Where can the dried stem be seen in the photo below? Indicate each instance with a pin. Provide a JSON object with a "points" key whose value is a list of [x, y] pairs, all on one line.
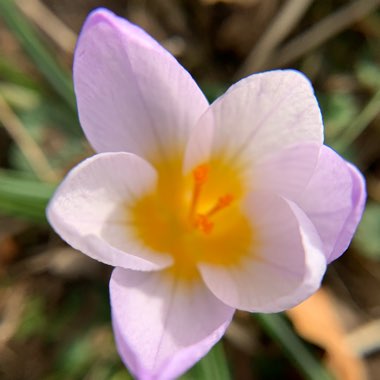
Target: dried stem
{"points": [[25, 142], [359, 123], [324, 30], [287, 17], [47, 21]]}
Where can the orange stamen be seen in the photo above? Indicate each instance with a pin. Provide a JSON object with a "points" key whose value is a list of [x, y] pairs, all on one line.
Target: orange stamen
{"points": [[203, 223], [221, 203], [200, 175]]}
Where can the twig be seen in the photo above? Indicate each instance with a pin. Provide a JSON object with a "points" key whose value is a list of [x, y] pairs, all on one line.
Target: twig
{"points": [[287, 17], [25, 142], [366, 338], [359, 124], [47, 21], [324, 30]]}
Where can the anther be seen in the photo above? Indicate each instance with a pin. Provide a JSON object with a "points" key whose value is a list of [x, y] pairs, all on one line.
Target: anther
{"points": [[221, 203], [200, 175], [203, 223]]}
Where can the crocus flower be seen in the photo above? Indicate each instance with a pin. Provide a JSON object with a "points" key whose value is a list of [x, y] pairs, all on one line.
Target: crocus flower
{"points": [[202, 209]]}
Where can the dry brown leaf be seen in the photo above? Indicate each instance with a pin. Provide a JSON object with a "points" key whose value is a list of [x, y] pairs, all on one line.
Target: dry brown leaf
{"points": [[9, 248], [317, 321], [242, 336], [12, 302], [64, 262], [366, 338]]}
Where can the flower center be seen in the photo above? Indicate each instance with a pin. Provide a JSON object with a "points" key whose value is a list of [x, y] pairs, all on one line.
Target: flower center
{"points": [[195, 218], [202, 221]]}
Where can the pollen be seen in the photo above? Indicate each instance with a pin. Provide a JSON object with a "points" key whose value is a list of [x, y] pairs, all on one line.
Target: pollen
{"points": [[203, 223]]}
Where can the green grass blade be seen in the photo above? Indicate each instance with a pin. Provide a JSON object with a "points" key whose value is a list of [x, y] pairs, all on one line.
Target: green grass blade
{"points": [[212, 366], [280, 331], [23, 30], [23, 197]]}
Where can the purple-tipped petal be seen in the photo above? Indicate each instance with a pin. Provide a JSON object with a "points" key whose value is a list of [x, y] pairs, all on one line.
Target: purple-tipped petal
{"points": [[164, 325], [263, 114], [132, 94], [286, 263], [90, 210], [334, 201], [359, 196]]}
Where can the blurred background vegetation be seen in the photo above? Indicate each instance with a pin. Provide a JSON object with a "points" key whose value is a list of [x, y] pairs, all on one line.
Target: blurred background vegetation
{"points": [[54, 307]]}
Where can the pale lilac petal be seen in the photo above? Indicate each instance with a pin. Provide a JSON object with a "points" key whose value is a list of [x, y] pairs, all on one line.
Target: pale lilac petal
{"points": [[359, 196], [90, 210], [132, 94], [284, 267], [198, 148], [334, 201], [163, 325], [261, 115], [286, 172]]}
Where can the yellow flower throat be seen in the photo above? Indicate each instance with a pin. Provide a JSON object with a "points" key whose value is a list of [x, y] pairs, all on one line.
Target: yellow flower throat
{"points": [[195, 218], [203, 221]]}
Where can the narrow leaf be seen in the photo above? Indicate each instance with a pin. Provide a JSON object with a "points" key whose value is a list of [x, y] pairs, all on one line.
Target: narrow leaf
{"points": [[24, 197], [212, 366], [280, 331], [56, 76]]}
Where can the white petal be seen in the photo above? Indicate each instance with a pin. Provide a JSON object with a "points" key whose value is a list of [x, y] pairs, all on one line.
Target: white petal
{"points": [[286, 263], [90, 210], [261, 115], [286, 172], [162, 325], [132, 94], [199, 146]]}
